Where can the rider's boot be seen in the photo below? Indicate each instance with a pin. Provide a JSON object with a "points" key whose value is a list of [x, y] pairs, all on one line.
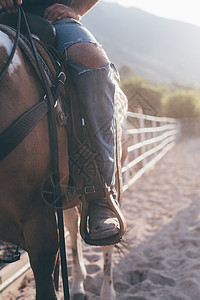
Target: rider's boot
{"points": [[102, 220], [96, 93]]}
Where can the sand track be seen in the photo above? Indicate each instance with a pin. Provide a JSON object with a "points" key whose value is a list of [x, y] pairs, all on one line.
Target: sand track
{"points": [[162, 258]]}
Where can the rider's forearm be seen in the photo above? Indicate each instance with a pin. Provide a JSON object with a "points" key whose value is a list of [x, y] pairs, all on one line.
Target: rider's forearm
{"points": [[83, 6]]}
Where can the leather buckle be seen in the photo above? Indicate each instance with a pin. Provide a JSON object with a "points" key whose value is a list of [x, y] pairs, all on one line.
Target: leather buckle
{"points": [[89, 189], [61, 77]]}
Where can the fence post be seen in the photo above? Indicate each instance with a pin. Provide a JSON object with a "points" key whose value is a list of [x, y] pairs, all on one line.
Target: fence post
{"points": [[142, 136], [154, 134], [126, 176], [153, 150]]}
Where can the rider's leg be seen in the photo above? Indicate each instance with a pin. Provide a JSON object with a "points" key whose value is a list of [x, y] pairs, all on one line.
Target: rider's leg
{"points": [[93, 76], [96, 89]]}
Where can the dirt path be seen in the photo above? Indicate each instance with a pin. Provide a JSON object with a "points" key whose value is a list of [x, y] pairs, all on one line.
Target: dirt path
{"points": [[162, 258]]}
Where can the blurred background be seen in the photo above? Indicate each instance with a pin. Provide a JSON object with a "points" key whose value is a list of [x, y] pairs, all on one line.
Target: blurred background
{"points": [[156, 47]]}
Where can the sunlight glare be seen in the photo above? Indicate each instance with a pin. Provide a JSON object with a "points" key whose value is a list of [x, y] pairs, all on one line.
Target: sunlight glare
{"points": [[187, 11]]}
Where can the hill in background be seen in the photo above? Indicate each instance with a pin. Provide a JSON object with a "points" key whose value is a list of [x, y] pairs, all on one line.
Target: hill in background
{"points": [[157, 48]]}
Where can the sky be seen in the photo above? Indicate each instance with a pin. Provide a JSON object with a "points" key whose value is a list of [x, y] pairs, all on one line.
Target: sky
{"points": [[183, 10]]}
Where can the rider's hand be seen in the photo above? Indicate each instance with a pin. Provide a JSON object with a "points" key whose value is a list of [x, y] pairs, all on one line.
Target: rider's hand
{"points": [[59, 11], [9, 6]]}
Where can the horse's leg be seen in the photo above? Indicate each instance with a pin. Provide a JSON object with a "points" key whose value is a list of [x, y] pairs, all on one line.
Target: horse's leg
{"points": [[72, 221], [41, 243], [107, 289], [10, 232]]}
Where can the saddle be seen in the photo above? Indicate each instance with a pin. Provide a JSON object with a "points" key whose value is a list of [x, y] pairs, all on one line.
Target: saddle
{"points": [[45, 40], [40, 28]]}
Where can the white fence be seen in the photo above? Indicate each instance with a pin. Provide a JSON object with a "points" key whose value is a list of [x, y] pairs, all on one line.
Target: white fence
{"points": [[149, 139]]}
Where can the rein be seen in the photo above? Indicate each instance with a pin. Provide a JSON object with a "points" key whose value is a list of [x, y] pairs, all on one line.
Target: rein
{"points": [[49, 101], [5, 68]]}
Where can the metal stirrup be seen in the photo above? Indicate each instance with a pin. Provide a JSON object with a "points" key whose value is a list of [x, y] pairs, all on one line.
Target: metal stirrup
{"points": [[115, 208]]}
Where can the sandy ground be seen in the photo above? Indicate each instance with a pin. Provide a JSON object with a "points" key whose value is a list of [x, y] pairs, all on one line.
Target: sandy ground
{"points": [[161, 259]]}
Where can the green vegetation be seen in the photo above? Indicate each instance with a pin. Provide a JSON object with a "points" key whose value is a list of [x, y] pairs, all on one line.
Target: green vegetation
{"points": [[173, 100], [182, 104]]}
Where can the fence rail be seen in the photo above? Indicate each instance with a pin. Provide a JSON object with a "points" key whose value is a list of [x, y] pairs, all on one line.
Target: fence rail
{"points": [[149, 140]]}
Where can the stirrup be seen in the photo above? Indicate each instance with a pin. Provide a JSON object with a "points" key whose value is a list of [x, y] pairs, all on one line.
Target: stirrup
{"points": [[115, 208]]}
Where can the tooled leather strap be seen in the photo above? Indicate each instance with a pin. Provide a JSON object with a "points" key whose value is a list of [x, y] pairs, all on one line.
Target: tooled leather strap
{"points": [[23, 125]]}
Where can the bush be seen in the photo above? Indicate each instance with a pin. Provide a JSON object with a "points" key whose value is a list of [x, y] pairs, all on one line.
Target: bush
{"points": [[182, 104], [172, 100], [142, 97]]}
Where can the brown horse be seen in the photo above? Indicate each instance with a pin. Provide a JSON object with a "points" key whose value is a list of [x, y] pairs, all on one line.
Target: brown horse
{"points": [[25, 218]]}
